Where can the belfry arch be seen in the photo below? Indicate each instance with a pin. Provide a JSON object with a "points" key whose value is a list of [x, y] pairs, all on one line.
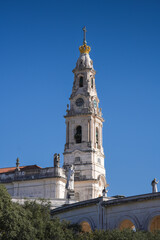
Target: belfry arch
{"points": [[78, 134], [81, 81]]}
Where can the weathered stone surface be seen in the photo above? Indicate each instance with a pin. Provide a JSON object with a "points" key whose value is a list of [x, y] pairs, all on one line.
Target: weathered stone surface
{"points": [[109, 213], [84, 112]]}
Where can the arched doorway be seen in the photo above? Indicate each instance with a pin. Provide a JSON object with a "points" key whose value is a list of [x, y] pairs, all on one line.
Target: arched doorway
{"points": [[155, 224], [85, 226], [127, 224]]}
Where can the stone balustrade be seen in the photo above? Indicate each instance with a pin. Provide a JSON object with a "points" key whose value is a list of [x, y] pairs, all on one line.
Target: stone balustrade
{"points": [[32, 174]]}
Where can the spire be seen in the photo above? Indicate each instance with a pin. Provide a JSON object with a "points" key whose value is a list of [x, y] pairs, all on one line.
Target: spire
{"points": [[84, 48]]}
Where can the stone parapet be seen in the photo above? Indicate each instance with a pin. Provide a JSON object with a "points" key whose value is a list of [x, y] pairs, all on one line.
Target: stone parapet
{"points": [[32, 174]]}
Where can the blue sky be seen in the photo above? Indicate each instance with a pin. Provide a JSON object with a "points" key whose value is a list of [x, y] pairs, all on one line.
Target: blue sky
{"points": [[38, 51]]}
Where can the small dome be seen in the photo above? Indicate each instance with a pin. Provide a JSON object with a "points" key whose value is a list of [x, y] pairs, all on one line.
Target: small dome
{"points": [[84, 61]]}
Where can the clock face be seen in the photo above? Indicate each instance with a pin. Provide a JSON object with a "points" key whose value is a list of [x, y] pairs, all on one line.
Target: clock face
{"points": [[95, 103], [79, 102]]}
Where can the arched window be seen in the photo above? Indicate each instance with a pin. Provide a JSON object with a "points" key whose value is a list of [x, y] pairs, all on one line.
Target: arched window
{"points": [[78, 135], [85, 226], [97, 135], [155, 224], [81, 82], [127, 224], [91, 82]]}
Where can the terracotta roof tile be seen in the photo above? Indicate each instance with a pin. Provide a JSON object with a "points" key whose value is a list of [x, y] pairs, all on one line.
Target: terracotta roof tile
{"points": [[12, 169]]}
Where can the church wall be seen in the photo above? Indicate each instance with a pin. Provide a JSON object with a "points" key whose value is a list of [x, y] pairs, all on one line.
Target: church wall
{"points": [[10, 188], [84, 171], [89, 189], [84, 190], [87, 213], [54, 203], [139, 210], [84, 157], [41, 188], [139, 213]]}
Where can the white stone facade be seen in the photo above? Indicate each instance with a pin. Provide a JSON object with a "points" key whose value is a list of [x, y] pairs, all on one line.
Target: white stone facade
{"points": [[41, 188], [47, 183], [84, 125], [142, 212]]}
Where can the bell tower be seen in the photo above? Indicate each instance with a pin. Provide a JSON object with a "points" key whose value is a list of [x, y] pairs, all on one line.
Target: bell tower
{"points": [[84, 123]]}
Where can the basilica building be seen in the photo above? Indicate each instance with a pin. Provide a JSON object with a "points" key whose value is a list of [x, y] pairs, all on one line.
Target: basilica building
{"points": [[77, 191], [83, 150]]}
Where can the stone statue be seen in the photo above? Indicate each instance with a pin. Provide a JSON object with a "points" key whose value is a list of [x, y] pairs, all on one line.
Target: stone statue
{"points": [[70, 178], [154, 185], [56, 160], [104, 192], [67, 108]]}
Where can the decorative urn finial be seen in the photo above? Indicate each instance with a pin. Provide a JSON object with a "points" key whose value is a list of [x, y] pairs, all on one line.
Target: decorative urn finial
{"points": [[17, 164]]}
